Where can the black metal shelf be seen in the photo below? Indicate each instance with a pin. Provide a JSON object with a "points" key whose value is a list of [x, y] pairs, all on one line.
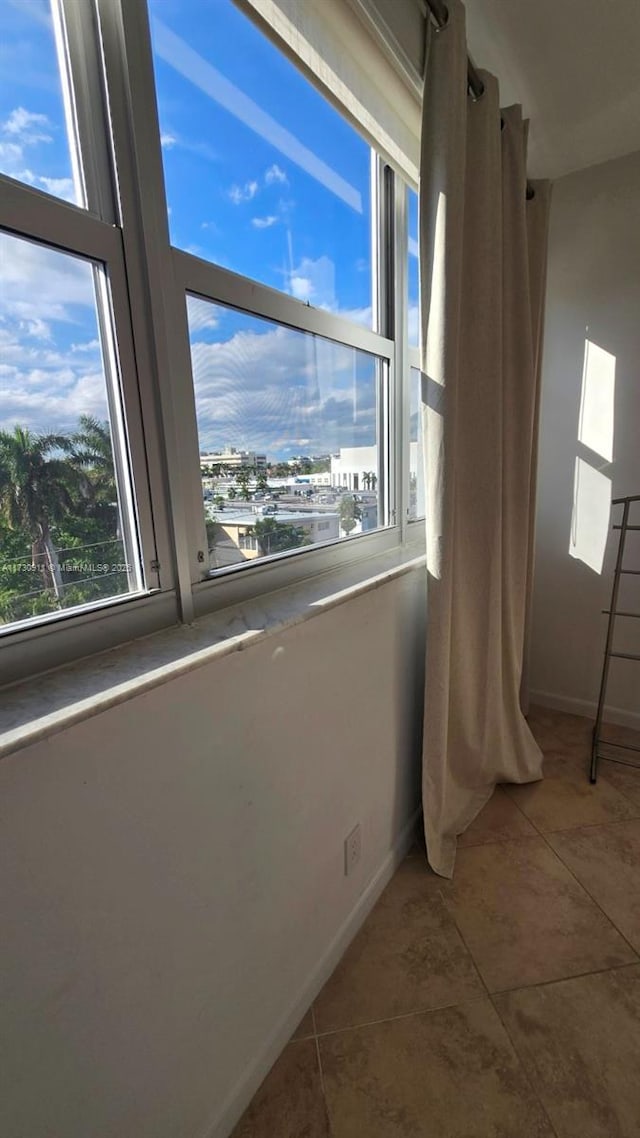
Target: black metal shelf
{"points": [[610, 653]]}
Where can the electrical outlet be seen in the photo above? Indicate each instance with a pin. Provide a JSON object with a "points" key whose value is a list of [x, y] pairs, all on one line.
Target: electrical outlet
{"points": [[352, 849]]}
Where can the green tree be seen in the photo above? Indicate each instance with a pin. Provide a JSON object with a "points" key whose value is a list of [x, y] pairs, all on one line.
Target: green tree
{"points": [[275, 537], [231, 493], [92, 452], [350, 513], [40, 485], [242, 478]]}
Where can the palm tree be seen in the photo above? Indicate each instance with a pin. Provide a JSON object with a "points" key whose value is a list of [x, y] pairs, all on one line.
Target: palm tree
{"points": [[91, 450], [39, 488], [242, 478]]}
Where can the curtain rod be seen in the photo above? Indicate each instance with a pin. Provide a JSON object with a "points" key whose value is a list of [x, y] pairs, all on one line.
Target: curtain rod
{"points": [[440, 15]]}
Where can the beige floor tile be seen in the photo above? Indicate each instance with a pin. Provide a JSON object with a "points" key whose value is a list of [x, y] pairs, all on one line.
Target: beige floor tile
{"points": [[499, 821], [525, 919], [407, 957], [290, 1102], [447, 1074], [606, 860], [556, 730], [619, 734], [305, 1027], [565, 798], [625, 779], [580, 1042]]}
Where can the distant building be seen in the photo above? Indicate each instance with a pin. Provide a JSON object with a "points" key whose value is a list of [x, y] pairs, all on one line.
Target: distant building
{"points": [[353, 466], [234, 459], [237, 542], [356, 469]]}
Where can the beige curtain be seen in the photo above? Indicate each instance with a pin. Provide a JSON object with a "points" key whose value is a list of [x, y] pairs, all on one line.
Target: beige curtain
{"points": [[482, 272]]}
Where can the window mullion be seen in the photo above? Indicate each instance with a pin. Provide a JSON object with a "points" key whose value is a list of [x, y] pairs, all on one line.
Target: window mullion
{"points": [[400, 335], [157, 304], [85, 107]]}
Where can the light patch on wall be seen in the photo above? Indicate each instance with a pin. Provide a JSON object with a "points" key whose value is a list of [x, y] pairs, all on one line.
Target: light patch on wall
{"points": [[590, 519], [597, 401]]}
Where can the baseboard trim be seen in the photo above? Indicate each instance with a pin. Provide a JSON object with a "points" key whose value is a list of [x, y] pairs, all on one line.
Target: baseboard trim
{"points": [[247, 1085], [586, 707]]}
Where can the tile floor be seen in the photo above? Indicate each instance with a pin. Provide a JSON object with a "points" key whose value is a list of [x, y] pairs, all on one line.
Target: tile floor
{"points": [[503, 1004]]}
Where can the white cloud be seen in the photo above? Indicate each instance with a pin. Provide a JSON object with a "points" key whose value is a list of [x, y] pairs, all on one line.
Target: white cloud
{"points": [[264, 222], [271, 389], [275, 174], [88, 346], [26, 126], [171, 139], [201, 314], [37, 328], [301, 287], [21, 130], [59, 187], [41, 283], [245, 193], [314, 280], [51, 369], [10, 155]]}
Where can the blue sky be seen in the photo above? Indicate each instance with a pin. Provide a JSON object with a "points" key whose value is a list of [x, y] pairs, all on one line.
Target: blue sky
{"points": [[262, 175]]}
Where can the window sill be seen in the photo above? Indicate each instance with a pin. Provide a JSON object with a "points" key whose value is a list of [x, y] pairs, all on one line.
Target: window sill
{"points": [[36, 709]]}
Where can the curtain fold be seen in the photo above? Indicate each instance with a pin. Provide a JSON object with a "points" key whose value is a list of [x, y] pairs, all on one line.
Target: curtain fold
{"points": [[482, 272]]}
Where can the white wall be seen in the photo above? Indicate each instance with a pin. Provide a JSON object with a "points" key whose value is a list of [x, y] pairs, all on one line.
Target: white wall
{"points": [[594, 293], [172, 870]]}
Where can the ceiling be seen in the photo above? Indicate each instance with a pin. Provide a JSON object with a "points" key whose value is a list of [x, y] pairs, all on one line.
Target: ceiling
{"points": [[575, 67]]}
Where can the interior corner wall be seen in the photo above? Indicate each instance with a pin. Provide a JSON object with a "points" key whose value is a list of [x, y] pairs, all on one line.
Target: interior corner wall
{"points": [[172, 874], [593, 294]]}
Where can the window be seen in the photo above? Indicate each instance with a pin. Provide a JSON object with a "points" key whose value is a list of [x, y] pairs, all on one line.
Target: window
{"points": [[413, 269], [416, 455], [36, 143], [69, 536], [76, 525], [202, 381], [311, 405], [263, 176]]}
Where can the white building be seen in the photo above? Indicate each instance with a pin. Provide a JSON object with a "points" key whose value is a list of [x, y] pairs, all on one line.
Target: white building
{"points": [[234, 459], [236, 540], [356, 468]]}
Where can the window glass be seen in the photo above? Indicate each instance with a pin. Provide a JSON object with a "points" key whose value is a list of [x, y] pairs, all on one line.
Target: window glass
{"points": [[34, 145], [287, 425], [416, 465], [413, 264], [63, 534], [263, 176]]}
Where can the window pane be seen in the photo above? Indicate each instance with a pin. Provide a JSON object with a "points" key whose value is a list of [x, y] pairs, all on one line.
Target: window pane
{"points": [[263, 176], [287, 424], [34, 145], [414, 269], [63, 528], [416, 465]]}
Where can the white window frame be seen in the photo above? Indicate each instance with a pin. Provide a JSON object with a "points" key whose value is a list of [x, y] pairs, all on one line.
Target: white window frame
{"points": [[126, 227]]}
